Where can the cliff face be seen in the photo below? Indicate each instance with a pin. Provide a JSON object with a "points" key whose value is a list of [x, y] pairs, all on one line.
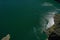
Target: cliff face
{"points": [[57, 19], [56, 27], [54, 31]]}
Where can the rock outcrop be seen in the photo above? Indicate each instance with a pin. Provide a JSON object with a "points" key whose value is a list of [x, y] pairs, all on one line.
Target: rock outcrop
{"points": [[7, 37]]}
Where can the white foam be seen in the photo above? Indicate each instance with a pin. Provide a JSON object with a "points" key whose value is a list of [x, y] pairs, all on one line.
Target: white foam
{"points": [[47, 4], [50, 19]]}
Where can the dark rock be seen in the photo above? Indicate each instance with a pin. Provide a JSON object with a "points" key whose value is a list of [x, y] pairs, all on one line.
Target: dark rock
{"points": [[57, 1], [53, 36]]}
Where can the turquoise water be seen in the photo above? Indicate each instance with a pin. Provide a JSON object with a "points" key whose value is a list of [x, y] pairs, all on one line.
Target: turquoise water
{"points": [[19, 17]]}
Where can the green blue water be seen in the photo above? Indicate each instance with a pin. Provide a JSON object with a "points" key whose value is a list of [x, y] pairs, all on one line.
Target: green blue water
{"points": [[19, 17]]}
